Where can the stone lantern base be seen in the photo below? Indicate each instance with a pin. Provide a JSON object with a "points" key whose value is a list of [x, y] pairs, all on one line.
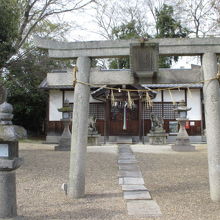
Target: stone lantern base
{"points": [[64, 144], [65, 139], [183, 145], [182, 140]]}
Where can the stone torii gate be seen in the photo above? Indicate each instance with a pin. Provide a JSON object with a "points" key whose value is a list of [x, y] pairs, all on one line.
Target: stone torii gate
{"points": [[207, 48]]}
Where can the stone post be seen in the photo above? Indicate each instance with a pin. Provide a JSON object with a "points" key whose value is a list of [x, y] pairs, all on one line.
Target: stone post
{"points": [[9, 162], [76, 186], [8, 203], [212, 115]]}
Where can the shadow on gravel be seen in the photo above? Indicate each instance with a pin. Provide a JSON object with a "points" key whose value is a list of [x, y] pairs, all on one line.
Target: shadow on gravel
{"points": [[103, 195], [77, 215], [181, 187]]}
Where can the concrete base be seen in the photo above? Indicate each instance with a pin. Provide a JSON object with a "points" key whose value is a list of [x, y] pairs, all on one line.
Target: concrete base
{"points": [[8, 205], [93, 140], [62, 148], [183, 145], [183, 148], [157, 138], [52, 139], [64, 144]]}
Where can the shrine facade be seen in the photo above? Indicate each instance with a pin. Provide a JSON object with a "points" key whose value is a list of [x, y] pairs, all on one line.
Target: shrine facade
{"points": [[114, 119]]}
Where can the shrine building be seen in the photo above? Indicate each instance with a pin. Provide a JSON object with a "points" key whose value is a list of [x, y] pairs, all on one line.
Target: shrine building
{"points": [[114, 120]]}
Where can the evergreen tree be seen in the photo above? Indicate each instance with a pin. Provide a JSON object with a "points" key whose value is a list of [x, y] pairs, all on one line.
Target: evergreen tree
{"points": [[125, 31], [9, 25], [168, 27]]}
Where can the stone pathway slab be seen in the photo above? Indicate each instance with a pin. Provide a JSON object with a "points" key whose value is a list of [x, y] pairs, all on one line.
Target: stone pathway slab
{"points": [[123, 151], [128, 167], [138, 198], [130, 195], [147, 208], [126, 157], [133, 187], [130, 181], [124, 161], [125, 173]]}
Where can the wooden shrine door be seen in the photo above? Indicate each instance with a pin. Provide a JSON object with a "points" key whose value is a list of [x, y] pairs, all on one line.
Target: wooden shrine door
{"points": [[117, 122]]}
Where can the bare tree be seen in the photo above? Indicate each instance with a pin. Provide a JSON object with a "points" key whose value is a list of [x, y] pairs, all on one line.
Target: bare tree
{"points": [[34, 14], [111, 14], [106, 18], [199, 16]]}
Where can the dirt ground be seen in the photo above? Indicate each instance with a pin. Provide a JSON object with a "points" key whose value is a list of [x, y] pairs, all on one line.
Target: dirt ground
{"points": [[177, 181], [179, 184]]}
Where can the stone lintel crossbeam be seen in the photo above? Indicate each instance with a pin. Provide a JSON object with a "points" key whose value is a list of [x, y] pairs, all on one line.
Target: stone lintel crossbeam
{"points": [[114, 77], [120, 48]]}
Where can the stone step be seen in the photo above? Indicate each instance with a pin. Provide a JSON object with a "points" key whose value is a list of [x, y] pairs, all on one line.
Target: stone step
{"points": [[124, 140], [129, 167], [145, 208], [125, 150], [125, 173], [130, 195], [131, 180], [126, 157], [127, 161], [133, 187]]}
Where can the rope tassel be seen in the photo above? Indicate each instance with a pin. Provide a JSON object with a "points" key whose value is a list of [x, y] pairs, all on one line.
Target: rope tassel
{"points": [[130, 101], [171, 96], [149, 101], [112, 98], [189, 91], [75, 70]]}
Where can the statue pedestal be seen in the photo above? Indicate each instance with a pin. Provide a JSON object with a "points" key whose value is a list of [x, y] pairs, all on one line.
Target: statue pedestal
{"points": [[157, 138], [65, 139], [182, 140], [93, 139]]}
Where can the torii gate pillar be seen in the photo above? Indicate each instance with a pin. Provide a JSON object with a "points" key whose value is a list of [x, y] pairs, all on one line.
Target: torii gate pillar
{"points": [[76, 186], [212, 114]]}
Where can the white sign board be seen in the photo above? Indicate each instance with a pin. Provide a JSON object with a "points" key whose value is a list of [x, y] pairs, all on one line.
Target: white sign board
{"points": [[4, 150]]}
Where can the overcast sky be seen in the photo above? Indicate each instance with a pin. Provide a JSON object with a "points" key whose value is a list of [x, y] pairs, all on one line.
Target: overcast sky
{"points": [[86, 29]]}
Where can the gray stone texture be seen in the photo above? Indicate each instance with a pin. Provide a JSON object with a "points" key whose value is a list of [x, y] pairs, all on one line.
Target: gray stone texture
{"points": [[103, 77], [127, 167], [130, 195], [76, 186], [168, 46], [10, 164], [157, 138], [131, 180], [8, 207], [127, 161], [12, 132], [93, 140], [126, 157], [212, 115], [125, 173], [146, 208], [133, 187], [182, 143], [65, 139]]}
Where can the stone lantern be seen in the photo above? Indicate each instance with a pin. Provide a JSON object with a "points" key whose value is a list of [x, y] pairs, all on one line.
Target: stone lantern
{"points": [[65, 139], [182, 139], [9, 162]]}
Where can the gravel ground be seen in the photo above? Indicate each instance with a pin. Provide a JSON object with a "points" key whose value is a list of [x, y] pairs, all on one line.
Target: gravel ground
{"points": [[179, 184], [177, 181]]}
